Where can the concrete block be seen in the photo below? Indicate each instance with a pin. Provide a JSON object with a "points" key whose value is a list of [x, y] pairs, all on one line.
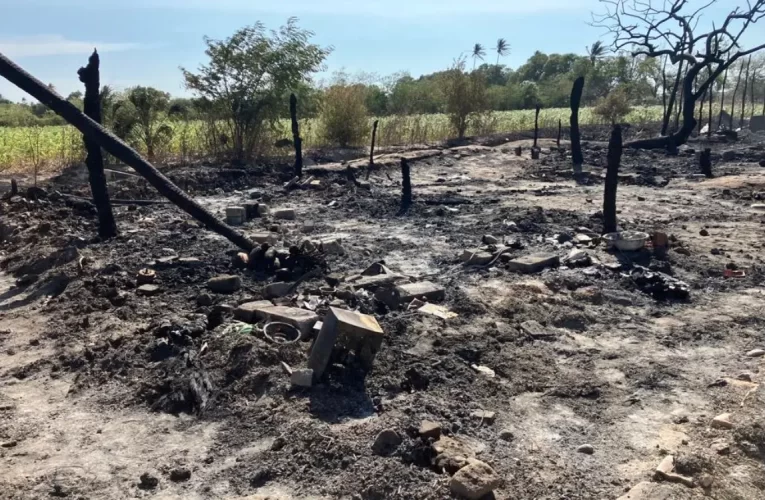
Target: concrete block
{"points": [[476, 257], [302, 377], [263, 209], [423, 289], [285, 214], [236, 216], [270, 238], [276, 290], [533, 263], [332, 247], [246, 312]]}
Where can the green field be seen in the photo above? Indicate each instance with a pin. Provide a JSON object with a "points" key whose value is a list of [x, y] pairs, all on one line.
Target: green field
{"points": [[51, 148]]}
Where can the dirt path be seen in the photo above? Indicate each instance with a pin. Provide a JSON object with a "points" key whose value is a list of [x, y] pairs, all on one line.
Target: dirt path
{"points": [[634, 378]]}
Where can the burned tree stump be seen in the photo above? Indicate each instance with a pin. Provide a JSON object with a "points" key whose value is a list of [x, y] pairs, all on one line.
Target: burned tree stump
{"points": [[534, 153], [90, 76], [612, 179], [297, 141], [372, 148], [705, 162], [560, 127], [14, 187], [406, 185], [576, 144], [518, 151], [115, 146], [536, 125]]}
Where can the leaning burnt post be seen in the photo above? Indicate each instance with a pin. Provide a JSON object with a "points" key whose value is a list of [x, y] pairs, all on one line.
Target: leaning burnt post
{"points": [[576, 145], [89, 75], [296, 137], [612, 179], [560, 127], [372, 149], [705, 162], [116, 147], [406, 183], [536, 125]]}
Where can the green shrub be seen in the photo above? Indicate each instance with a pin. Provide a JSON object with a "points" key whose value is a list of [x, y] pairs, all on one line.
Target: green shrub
{"points": [[344, 118], [614, 107]]}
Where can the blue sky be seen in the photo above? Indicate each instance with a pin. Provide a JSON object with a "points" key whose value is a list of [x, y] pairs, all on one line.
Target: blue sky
{"points": [[143, 42]]}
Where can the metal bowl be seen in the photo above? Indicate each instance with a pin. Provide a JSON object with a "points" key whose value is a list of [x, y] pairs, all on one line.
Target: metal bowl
{"points": [[626, 241]]}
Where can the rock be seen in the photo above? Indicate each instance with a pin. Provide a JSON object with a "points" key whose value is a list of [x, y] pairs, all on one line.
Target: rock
{"points": [[704, 232], [705, 481], [148, 482], [332, 247], [756, 353], [722, 421], [729, 155], [506, 435], [236, 216], [577, 257], [285, 214], [533, 263], [148, 290], [180, 474], [484, 370], [429, 429], [357, 332], [302, 377], [666, 465], [535, 330], [475, 480], [489, 240], [386, 442], [476, 257], [8, 444], [587, 449], [746, 377], [276, 290], [406, 293], [484, 416], [721, 447], [192, 262], [204, 299], [682, 251], [451, 454], [240, 260], [582, 239], [225, 283], [263, 209]]}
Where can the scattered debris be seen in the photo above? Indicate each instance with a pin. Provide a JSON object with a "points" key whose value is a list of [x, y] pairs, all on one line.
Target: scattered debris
{"points": [[437, 311], [659, 285], [225, 283]]}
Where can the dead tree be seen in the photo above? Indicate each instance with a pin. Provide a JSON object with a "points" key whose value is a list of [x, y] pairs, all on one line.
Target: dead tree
{"points": [[576, 144], [406, 186], [743, 97], [118, 149], [722, 98], [711, 102], [90, 76], [705, 162], [536, 125], [672, 99], [735, 92], [372, 148], [670, 28], [701, 111], [560, 127], [296, 137], [612, 179]]}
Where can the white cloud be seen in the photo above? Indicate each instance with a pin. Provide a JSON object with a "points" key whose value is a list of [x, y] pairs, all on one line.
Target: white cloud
{"points": [[55, 45]]}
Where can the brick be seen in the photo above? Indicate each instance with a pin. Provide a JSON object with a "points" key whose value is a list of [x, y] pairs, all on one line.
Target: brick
{"points": [[302, 377], [246, 312], [285, 214], [533, 263], [476, 257], [236, 216]]}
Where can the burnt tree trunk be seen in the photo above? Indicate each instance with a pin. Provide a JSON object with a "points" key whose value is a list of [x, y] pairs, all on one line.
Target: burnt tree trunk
{"points": [[90, 76], [705, 162], [576, 144], [680, 100], [296, 137], [672, 98], [372, 148], [752, 100], [14, 187], [722, 98], [406, 186], [711, 102], [743, 96], [701, 110], [118, 149], [536, 125], [560, 127], [664, 92], [612, 179], [735, 92]]}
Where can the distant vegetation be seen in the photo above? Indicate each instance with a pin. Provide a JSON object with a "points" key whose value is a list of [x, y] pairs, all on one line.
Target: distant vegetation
{"points": [[240, 94]]}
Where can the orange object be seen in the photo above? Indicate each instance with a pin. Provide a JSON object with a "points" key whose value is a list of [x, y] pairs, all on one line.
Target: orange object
{"points": [[734, 273]]}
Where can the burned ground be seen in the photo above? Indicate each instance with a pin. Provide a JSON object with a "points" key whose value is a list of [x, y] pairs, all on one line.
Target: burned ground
{"points": [[100, 385]]}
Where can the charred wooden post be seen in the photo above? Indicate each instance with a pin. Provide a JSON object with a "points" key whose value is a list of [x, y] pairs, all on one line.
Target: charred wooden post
{"points": [[534, 153], [297, 141], [612, 179], [406, 184], [536, 125], [14, 188], [518, 151], [705, 162], [372, 148], [576, 144], [118, 149], [90, 76], [560, 127]]}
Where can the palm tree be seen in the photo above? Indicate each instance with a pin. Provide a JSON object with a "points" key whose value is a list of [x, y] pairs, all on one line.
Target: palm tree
{"points": [[502, 48], [596, 51], [478, 53]]}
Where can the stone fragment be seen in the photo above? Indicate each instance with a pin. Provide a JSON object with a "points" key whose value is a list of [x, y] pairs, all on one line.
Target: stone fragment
{"points": [[424, 290], [756, 353], [192, 262], [535, 330], [476, 257], [276, 290], [533, 263], [386, 442], [285, 214], [332, 247], [264, 237], [582, 239], [437, 311], [148, 290], [429, 429], [587, 449], [204, 299], [247, 312], [484, 370], [302, 377], [451, 454], [236, 216], [489, 239], [225, 283], [475, 480], [722, 447], [722, 421], [484, 415]]}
